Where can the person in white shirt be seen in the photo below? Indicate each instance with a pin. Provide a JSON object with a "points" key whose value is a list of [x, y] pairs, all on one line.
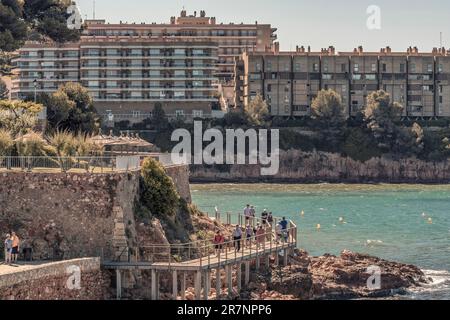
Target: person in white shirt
{"points": [[237, 237]]}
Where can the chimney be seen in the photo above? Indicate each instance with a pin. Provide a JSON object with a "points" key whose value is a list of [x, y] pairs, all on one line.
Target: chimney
{"points": [[276, 47], [172, 20], [382, 50], [435, 51], [416, 50], [388, 49], [332, 50], [360, 49], [302, 49], [309, 49], [213, 20]]}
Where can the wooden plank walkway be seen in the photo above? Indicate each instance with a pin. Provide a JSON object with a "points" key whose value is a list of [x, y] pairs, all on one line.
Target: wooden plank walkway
{"points": [[206, 263]]}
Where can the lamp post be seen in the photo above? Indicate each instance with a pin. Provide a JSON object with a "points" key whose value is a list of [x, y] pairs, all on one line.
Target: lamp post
{"points": [[35, 90]]}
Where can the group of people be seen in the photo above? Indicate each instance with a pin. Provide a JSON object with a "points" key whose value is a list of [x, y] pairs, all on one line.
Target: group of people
{"points": [[260, 233], [11, 243]]}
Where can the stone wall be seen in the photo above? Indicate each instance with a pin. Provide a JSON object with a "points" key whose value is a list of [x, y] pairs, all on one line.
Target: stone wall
{"points": [[66, 215], [180, 176], [57, 281]]}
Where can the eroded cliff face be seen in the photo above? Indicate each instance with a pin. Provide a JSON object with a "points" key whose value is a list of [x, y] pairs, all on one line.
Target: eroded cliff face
{"points": [[304, 167]]}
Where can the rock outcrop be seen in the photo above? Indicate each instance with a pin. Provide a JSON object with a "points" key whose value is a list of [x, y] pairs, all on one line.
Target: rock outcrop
{"points": [[332, 277]]}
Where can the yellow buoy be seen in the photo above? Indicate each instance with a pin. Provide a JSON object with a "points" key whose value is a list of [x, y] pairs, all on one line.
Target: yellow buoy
{"points": [[430, 220], [302, 213], [319, 227], [341, 220]]}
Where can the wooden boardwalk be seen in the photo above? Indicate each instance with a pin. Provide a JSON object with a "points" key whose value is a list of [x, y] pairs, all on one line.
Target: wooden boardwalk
{"points": [[206, 262]]}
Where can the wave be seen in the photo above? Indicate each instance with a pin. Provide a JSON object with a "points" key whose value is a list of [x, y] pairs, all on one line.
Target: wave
{"points": [[438, 288], [373, 243]]}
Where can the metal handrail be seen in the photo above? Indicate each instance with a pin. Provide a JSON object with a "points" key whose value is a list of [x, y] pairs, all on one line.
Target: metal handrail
{"points": [[204, 249]]}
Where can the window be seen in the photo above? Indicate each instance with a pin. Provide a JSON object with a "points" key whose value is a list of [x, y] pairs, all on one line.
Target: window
{"points": [[374, 67], [326, 76], [136, 114], [269, 88], [357, 77], [343, 67], [179, 113], [441, 67], [430, 68], [297, 67], [412, 67], [384, 67], [269, 66], [441, 99], [402, 67], [344, 88], [316, 67], [325, 67], [197, 113], [371, 77], [258, 67]]}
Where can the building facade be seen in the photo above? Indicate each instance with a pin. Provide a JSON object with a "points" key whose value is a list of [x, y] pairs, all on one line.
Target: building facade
{"points": [[186, 65], [233, 39], [125, 79], [289, 81]]}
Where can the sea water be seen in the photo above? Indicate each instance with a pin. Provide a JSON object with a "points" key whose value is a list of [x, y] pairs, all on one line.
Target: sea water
{"points": [[404, 223]]}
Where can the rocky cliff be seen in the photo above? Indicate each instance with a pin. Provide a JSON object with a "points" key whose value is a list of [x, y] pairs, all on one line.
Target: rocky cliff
{"points": [[312, 167]]}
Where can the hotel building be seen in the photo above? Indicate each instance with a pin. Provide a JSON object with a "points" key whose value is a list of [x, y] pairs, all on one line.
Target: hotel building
{"points": [[289, 81], [129, 67]]}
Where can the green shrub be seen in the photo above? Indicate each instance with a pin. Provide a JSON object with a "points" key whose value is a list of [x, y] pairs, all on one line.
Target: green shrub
{"points": [[159, 194]]}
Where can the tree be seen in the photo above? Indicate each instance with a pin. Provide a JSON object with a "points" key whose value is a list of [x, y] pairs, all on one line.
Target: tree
{"points": [[6, 144], [380, 116], [159, 119], [159, 194], [18, 117], [32, 145], [71, 108], [4, 92], [327, 109], [257, 111], [19, 19]]}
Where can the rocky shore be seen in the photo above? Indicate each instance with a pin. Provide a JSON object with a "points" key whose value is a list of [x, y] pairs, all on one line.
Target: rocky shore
{"points": [[331, 277]]}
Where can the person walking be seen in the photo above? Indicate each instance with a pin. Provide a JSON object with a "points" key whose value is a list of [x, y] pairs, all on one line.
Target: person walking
{"points": [[219, 240], [252, 215], [270, 218], [8, 249], [15, 247], [249, 235], [247, 213], [237, 238], [264, 216], [260, 238]]}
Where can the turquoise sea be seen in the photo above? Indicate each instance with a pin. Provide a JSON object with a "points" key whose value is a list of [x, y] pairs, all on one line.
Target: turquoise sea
{"points": [[404, 223]]}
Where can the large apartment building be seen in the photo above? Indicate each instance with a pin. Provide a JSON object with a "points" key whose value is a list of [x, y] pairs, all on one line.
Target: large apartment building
{"points": [[233, 38], [125, 78], [128, 67], [289, 81]]}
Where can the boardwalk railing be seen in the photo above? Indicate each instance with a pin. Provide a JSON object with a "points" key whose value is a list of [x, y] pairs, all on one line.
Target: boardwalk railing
{"points": [[204, 251]]}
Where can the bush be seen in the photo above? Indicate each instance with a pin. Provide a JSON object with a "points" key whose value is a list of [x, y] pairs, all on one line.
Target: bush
{"points": [[158, 194]]}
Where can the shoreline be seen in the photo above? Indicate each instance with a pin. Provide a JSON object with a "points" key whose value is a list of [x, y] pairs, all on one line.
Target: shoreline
{"points": [[197, 181]]}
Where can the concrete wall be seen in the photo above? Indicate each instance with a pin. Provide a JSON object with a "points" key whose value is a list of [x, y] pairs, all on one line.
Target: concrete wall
{"points": [[50, 282]]}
